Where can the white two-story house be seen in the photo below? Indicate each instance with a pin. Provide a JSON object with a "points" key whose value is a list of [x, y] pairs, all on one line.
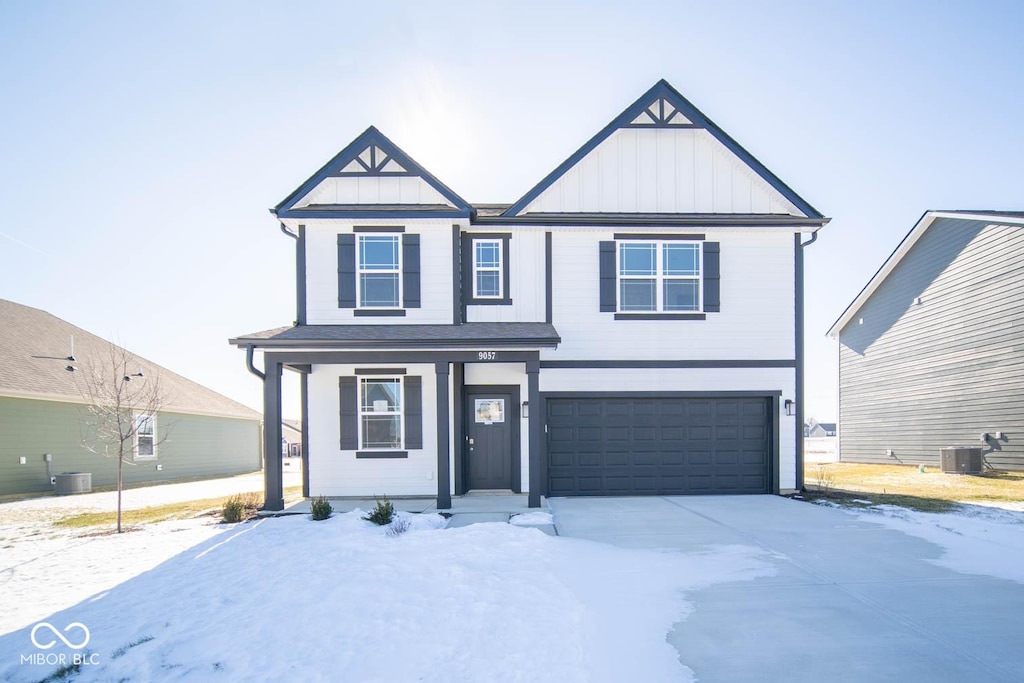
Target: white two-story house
{"points": [[632, 325]]}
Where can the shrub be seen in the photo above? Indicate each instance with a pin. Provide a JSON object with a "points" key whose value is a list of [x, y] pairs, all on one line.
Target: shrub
{"points": [[321, 508], [383, 512], [399, 526], [241, 507]]}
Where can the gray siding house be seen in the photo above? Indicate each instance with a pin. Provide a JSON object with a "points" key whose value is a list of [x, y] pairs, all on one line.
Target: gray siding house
{"points": [[41, 409], [931, 352]]}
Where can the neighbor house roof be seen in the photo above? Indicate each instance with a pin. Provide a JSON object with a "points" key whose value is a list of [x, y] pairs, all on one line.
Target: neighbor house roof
{"points": [[34, 351], [911, 238], [467, 335]]}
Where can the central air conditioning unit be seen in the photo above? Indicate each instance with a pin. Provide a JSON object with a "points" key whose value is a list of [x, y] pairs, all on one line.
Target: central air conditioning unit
{"points": [[961, 459]]}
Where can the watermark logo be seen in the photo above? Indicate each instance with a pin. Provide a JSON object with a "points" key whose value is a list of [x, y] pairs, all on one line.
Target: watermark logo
{"points": [[55, 635]]}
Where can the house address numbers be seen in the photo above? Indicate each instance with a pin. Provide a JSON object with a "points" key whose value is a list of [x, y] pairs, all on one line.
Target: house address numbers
{"points": [[487, 355]]}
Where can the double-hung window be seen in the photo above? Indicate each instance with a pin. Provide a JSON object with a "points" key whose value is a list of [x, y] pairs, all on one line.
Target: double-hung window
{"points": [[659, 277], [145, 437], [379, 271], [487, 269], [380, 413]]}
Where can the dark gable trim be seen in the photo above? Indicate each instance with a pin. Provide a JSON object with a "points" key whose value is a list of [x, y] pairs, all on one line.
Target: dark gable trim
{"points": [[469, 255], [660, 316], [662, 90], [379, 313], [371, 136], [380, 371], [549, 303], [656, 236], [382, 454], [665, 364], [378, 228]]}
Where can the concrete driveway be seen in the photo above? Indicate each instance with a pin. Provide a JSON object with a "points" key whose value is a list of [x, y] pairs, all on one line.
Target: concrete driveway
{"points": [[850, 601]]}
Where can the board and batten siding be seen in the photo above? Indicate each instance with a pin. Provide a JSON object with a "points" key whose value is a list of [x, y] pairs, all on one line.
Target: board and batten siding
{"points": [[756, 320], [337, 472], [526, 281], [935, 356], [661, 170], [371, 190], [195, 446], [436, 281]]}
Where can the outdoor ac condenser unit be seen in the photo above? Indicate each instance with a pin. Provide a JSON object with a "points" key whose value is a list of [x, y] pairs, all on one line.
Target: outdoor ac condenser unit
{"points": [[961, 459], [69, 483]]}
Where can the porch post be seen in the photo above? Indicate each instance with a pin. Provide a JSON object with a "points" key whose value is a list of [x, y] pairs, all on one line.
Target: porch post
{"points": [[444, 477], [272, 473], [304, 449], [536, 422]]}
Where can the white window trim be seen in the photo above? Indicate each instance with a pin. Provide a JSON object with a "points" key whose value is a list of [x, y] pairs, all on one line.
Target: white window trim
{"points": [[659, 276], [135, 437], [499, 269], [401, 413], [360, 271]]}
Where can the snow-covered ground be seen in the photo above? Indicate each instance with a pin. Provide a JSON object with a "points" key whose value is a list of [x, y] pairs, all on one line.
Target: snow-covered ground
{"points": [[291, 599], [977, 540]]}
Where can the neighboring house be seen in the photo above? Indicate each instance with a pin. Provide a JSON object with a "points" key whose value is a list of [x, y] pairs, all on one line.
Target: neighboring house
{"points": [[930, 351], [632, 325], [291, 438], [816, 429], [41, 410]]}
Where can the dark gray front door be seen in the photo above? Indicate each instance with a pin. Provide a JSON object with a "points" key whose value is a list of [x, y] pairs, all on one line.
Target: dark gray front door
{"points": [[491, 417], [621, 445]]}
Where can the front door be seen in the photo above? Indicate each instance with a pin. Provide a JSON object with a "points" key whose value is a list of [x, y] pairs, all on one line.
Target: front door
{"points": [[491, 417]]}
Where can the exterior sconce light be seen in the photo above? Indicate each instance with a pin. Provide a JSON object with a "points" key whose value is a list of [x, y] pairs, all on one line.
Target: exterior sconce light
{"points": [[790, 407], [526, 409]]}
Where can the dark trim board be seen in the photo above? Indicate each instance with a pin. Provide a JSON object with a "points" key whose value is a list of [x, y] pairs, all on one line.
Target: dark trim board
{"points": [[468, 391], [659, 394], [304, 450], [458, 308], [396, 357], [666, 364], [660, 316], [380, 371], [386, 455], [458, 425], [655, 236], [379, 313], [549, 303], [378, 228]]}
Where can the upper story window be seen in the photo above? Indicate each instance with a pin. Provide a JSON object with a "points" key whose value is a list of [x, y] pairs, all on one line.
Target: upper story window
{"points": [[145, 436], [487, 280], [380, 413], [380, 271], [659, 277]]}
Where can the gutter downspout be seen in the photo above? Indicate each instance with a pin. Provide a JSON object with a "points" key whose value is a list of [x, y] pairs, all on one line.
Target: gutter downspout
{"points": [[248, 363], [300, 271], [800, 357]]}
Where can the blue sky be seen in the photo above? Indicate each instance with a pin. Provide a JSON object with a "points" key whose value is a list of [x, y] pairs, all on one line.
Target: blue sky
{"points": [[141, 143]]}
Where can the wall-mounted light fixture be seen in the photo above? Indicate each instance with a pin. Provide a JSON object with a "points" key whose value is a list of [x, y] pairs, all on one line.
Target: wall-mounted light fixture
{"points": [[790, 407], [526, 409]]}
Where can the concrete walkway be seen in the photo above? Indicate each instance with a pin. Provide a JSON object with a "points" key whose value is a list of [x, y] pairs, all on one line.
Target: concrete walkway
{"points": [[851, 600]]}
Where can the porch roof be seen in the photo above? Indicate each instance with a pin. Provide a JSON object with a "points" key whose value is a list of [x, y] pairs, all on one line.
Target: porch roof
{"points": [[466, 335]]}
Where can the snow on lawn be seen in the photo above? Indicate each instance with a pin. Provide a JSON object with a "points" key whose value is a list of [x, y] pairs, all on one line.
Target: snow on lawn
{"points": [[536, 518], [291, 599], [976, 540]]}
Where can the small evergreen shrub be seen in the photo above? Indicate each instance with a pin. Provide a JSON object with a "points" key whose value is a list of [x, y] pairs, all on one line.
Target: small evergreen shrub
{"points": [[241, 507], [321, 508], [383, 512]]}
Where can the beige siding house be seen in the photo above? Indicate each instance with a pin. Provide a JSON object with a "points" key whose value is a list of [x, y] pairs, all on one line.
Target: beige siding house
{"points": [[198, 434]]}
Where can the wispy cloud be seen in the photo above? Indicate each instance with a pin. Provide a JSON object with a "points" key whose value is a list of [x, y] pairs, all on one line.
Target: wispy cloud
{"points": [[25, 244]]}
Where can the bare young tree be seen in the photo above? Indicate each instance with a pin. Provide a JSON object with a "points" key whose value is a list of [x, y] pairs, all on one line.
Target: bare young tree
{"points": [[119, 418]]}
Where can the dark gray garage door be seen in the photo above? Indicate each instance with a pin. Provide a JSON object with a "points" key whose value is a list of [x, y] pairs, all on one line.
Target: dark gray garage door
{"points": [[657, 446]]}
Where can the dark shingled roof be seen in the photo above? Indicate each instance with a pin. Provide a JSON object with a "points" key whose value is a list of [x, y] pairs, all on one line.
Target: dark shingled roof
{"points": [[985, 212], [34, 346], [530, 335]]}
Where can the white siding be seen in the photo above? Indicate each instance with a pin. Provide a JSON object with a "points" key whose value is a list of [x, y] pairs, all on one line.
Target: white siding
{"points": [[661, 170], [373, 190], [334, 472], [756, 321], [526, 282], [507, 374], [640, 380], [322, 272]]}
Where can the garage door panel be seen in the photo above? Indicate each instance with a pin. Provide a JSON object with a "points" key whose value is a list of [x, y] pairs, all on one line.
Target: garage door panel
{"points": [[657, 446]]}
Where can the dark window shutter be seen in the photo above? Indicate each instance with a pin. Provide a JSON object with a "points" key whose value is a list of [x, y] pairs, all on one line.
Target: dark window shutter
{"points": [[607, 263], [346, 271], [712, 278], [349, 393], [411, 271], [413, 413]]}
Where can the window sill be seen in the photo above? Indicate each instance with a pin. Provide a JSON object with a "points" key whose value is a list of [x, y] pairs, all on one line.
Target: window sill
{"points": [[378, 312], [382, 454], [489, 302], [660, 316]]}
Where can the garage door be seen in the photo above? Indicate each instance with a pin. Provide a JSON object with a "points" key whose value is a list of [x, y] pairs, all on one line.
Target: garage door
{"points": [[657, 446]]}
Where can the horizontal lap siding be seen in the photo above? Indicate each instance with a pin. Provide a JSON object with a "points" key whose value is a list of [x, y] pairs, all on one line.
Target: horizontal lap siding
{"points": [[917, 377], [194, 447]]}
